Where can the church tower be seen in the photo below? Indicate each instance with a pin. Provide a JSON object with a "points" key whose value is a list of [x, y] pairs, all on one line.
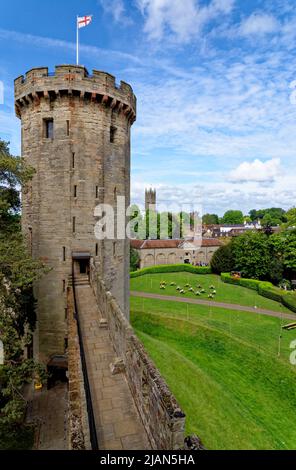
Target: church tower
{"points": [[150, 199], [76, 134]]}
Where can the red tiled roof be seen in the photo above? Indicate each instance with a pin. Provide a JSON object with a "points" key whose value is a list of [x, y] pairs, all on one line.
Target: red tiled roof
{"points": [[155, 244], [137, 244], [211, 242]]}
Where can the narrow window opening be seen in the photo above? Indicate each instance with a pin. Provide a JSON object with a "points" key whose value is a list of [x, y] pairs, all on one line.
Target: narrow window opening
{"points": [[114, 248], [115, 194], [97, 249], [97, 192], [64, 253], [112, 134], [48, 128], [73, 160], [66, 313], [68, 128], [74, 224], [66, 344], [64, 285], [75, 191]]}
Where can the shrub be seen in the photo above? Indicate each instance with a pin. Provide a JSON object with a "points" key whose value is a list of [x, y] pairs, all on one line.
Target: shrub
{"points": [[253, 254], [248, 283], [289, 300], [266, 289], [223, 259], [134, 259], [172, 268]]}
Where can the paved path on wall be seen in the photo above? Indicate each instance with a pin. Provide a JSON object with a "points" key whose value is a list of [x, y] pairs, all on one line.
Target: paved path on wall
{"points": [[188, 300], [117, 421], [48, 409]]}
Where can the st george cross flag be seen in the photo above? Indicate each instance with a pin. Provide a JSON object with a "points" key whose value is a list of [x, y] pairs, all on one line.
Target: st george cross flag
{"points": [[83, 21]]}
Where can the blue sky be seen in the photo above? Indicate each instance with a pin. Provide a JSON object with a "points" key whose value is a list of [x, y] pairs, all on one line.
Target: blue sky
{"points": [[213, 81]]}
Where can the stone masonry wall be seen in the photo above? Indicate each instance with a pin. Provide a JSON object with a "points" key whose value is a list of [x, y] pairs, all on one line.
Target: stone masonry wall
{"points": [[79, 438], [77, 168], [157, 256], [161, 415]]}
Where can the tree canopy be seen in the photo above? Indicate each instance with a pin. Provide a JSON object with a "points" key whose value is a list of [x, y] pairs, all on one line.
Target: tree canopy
{"points": [[273, 216], [210, 219], [259, 255], [233, 217], [18, 271], [291, 218]]}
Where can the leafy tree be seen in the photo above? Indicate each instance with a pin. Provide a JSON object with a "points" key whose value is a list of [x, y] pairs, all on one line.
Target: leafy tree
{"points": [[223, 259], [271, 221], [291, 218], [210, 219], [233, 217], [13, 174], [267, 225], [17, 273], [253, 253], [273, 216], [134, 260], [284, 245], [148, 226], [256, 214], [163, 225], [135, 218]]}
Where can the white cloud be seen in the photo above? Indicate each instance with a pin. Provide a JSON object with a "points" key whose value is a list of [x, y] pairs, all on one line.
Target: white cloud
{"points": [[181, 19], [258, 24], [221, 196], [116, 8], [257, 171], [200, 117], [46, 42]]}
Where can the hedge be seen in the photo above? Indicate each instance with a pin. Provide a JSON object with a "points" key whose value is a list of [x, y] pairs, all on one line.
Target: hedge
{"points": [[289, 300], [172, 268], [248, 283], [264, 288]]}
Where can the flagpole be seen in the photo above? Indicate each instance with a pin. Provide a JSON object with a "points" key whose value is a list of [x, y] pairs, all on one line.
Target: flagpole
{"points": [[77, 42]]}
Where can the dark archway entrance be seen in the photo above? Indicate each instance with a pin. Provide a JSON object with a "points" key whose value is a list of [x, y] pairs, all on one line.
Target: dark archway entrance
{"points": [[83, 266], [81, 260], [57, 369]]}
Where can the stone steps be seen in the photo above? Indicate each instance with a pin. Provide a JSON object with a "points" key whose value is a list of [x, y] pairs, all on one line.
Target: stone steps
{"points": [[80, 280]]}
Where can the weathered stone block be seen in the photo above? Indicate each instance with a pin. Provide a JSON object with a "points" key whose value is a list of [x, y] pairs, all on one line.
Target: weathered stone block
{"points": [[117, 367]]}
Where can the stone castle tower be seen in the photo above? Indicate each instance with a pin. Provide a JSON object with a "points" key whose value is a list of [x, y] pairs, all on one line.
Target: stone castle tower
{"points": [[150, 199], [76, 134]]}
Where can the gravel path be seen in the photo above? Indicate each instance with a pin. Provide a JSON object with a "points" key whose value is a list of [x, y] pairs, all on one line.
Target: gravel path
{"points": [[241, 308]]}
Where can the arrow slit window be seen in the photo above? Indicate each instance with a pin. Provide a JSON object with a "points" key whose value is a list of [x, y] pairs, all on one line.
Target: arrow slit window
{"points": [[48, 128]]}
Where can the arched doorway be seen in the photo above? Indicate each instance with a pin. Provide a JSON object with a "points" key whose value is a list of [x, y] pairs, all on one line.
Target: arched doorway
{"points": [[172, 258], [160, 258], [148, 261]]}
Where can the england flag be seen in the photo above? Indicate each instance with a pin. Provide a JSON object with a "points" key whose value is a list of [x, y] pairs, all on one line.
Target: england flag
{"points": [[83, 21]]}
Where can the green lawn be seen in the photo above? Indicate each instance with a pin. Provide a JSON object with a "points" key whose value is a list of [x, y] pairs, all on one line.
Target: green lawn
{"points": [[223, 368], [259, 331], [225, 292]]}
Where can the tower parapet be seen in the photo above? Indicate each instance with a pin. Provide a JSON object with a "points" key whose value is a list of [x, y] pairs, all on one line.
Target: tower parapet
{"points": [[150, 199], [100, 87]]}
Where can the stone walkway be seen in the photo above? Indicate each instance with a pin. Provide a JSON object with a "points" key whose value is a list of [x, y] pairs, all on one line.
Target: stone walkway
{"points": [[117, 421], [209, 303], [48, 410]]}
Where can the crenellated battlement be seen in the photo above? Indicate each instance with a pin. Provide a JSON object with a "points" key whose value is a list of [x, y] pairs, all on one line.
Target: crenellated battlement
{"points": [[74, 80]]}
